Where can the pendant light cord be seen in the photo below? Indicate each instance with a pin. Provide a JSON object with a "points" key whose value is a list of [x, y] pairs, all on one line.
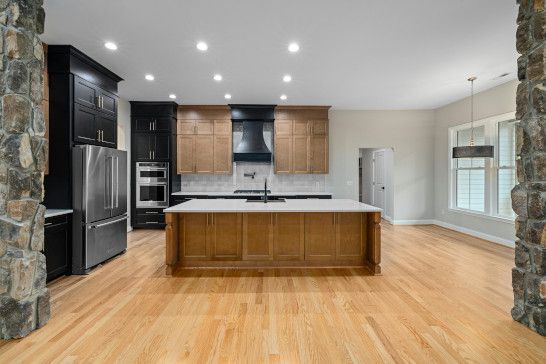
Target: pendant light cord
{"points": [[472, 79]]}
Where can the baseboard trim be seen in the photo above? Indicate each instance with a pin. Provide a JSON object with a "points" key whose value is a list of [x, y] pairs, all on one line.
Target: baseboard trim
{"points": [[477, 234], [413, 222]]}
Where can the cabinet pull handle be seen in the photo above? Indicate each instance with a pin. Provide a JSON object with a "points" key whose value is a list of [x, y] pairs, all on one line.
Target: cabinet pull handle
{"points": [[151, 212], [153, 154], [149, 154], [155, 126], [102, 135], [150, 125], [98, 135]]}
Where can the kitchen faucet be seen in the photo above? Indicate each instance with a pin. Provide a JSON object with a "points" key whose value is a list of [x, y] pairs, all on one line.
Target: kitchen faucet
{"points": [[265, 191]]}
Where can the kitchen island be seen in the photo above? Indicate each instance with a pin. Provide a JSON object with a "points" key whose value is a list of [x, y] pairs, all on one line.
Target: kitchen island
{"points": [[290, 233]]}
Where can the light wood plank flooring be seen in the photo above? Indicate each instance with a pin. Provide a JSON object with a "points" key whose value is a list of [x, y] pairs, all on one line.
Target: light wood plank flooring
{"points": [[442, 297]]}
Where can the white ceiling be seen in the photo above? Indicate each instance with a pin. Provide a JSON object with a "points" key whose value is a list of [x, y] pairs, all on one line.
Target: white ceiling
{"points": [[388, 54]]}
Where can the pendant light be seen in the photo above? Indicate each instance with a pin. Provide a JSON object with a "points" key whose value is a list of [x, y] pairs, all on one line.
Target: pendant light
{"points": [[473, 151]]}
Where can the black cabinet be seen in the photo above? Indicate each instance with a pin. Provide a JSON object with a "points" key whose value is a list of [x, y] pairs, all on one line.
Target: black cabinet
{"points": [[153, 138], [151, 147], [57, 246], [82, 110], [95, 112]]}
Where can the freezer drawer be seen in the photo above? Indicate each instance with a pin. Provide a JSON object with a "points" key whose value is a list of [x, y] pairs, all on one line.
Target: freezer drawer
{"points": [[104, 240]]}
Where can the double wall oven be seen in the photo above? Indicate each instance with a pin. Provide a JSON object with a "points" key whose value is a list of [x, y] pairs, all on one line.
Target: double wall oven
{"points": [[152, 184]]}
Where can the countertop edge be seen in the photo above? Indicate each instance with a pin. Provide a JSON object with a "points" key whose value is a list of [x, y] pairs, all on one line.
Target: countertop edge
{"points": [[57, 212]]}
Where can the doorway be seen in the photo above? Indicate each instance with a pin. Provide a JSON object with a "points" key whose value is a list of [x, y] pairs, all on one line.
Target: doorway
{"points": [[376, 186]]}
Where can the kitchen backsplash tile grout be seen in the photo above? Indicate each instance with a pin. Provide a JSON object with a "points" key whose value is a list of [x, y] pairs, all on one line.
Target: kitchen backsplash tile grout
{"points": [[275, 182]]}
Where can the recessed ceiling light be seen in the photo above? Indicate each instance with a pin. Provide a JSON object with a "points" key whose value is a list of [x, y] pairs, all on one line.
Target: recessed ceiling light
{"points": [[149, 77], [217, 77], [287, 78], [293, 47], [227, 96], [172, 96], [283, 97], [202, 46], [111, 46]]}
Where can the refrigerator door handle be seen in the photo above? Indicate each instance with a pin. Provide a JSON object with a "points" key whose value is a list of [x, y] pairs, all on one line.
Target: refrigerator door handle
{"points": [[107, 183], [111, 182], [117, 182], [108, 223]]}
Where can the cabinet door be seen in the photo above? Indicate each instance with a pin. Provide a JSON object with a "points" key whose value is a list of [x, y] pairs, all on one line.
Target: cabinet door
{"points": [[162, 124], [204, 154], [319, 154], [185, 127], [319, 127], [194, 244], [300, 154], [143, 124], [283, 127], [85, 125], [301, 127], [56, 250], [225, 241], [162, 147], [257, 236], [288, 236], [283, 154], [185, 153], [142, 148], [204, 127], [108, 128], [349, 235], [85, 93], [222, 154], [320, 243], [108, 102], [222, 127]]}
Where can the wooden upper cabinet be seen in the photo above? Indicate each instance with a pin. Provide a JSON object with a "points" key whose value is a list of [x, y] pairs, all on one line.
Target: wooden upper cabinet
{"points": [[319, 127], [283, 127], [185, 154], [301, 127], [283, 154], [222, 154], [319, 154], [222, 127], [185, 127], [204, 127], [204, 154], [300, 154], [209, 126]]}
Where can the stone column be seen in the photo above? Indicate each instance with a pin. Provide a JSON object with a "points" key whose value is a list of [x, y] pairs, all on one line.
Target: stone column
{"points": [[24, 298], [529, 196]]}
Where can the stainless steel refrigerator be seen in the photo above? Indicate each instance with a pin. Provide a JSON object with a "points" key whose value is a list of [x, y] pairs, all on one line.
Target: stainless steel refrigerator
{"points": [[99, 180]]}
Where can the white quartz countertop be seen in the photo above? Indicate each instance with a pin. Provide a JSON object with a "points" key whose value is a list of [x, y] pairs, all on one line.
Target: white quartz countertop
{"points": [[231, 193], [294, 205], [57, 212]]}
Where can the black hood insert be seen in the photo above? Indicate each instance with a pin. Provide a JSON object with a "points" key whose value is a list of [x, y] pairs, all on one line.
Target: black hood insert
{"points": [[252, 147]]}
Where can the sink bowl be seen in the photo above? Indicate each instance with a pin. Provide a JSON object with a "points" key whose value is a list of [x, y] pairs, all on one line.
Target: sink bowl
{"points": [[268, 200]]}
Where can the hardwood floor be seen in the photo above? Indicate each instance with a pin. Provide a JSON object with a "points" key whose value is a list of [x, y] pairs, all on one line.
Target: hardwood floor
{"points": [[442, 297]]}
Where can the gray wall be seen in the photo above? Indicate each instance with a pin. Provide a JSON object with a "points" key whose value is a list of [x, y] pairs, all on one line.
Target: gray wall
{"points": [[410, 133], [496, 101]]}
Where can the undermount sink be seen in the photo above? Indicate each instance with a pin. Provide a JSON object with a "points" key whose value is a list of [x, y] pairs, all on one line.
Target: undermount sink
{"points": [[260, 200]]}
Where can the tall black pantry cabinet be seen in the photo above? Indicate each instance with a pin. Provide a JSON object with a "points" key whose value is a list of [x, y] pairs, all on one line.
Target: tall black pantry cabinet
{"points": [[153, 139], [82, 110]]}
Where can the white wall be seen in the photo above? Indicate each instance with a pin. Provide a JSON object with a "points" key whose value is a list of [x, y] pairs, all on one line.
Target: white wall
{"points": [[496, 101], [124, 143], [409, 132]]}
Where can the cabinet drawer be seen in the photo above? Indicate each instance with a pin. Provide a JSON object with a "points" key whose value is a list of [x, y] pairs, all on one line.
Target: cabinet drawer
{"points": [[155, 219]]}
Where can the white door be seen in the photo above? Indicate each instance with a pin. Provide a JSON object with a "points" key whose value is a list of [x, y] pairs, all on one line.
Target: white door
{"points": [[379, 180]]}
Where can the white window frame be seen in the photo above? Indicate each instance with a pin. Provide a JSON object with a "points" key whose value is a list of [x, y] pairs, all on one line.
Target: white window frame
{"points": [[491, 134]]}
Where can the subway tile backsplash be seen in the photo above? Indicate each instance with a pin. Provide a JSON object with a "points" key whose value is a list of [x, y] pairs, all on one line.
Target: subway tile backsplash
{"points": [[237, 181]]}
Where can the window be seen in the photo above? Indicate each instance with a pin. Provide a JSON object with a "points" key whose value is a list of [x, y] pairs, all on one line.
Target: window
{"points": [[483, 185]]}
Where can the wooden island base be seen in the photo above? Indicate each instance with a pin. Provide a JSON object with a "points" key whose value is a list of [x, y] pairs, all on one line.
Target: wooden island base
{"points": [[277, 239]]}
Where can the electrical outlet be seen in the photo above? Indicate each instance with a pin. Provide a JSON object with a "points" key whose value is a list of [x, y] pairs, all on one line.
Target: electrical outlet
{"points": [[349, 183]]}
